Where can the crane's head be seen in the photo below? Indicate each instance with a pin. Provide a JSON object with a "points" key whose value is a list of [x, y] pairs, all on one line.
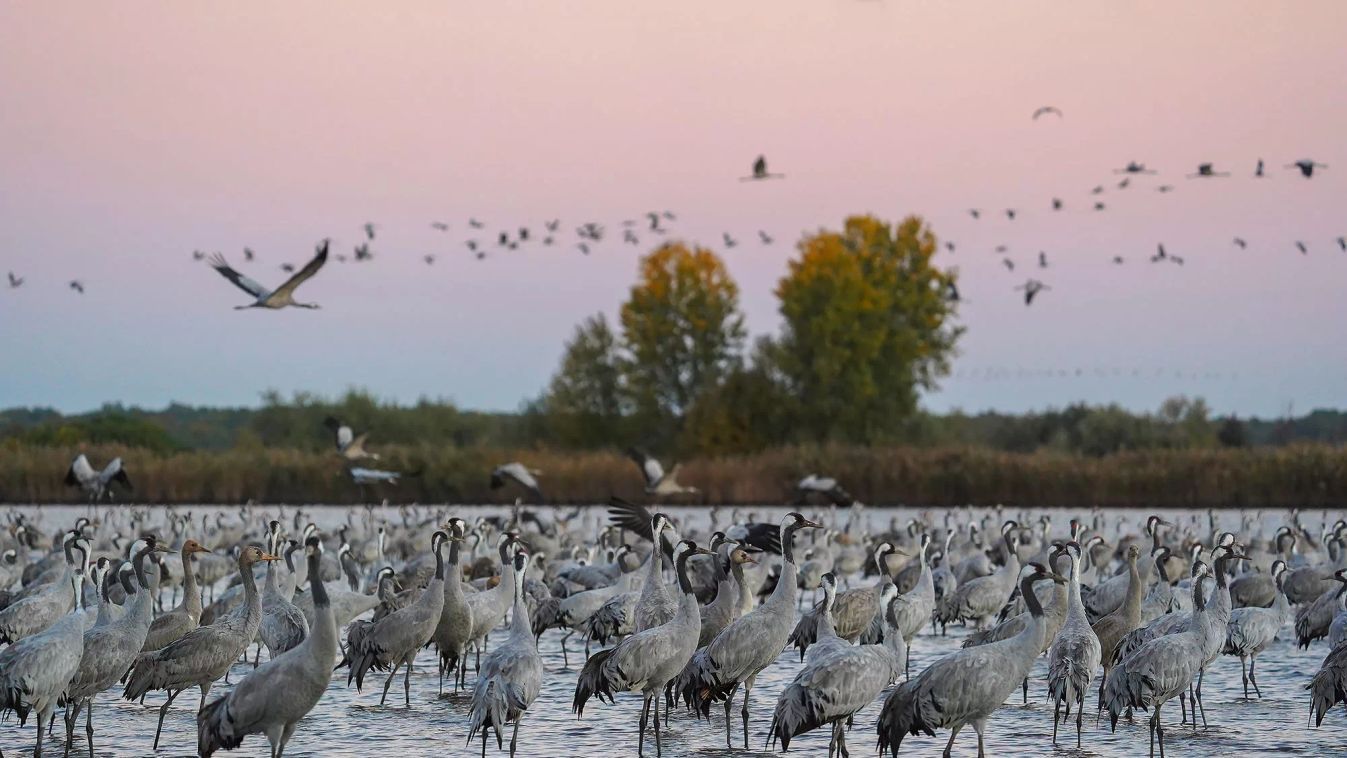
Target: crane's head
{"points": [[191, 547]]}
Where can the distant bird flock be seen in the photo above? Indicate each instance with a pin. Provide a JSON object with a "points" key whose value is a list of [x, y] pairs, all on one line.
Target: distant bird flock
{"points": [[589, 234]]}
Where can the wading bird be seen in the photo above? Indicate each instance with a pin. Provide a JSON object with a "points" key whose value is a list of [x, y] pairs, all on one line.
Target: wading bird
{"points": [[512, 675], [283, 295], [520, 474]]}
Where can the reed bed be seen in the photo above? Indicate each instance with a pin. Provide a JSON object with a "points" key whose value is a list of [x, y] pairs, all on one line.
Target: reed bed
{"points": [[1304, 476]]}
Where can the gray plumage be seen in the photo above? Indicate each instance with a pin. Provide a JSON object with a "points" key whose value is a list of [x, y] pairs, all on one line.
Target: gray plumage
{"points": [[838, 679], [512, 675], [1073, 655], [283, 625], [278, 694], [1159, 670], [966, 686], [172, 625], [1111, 629], [980, 599], [733, 598], [1251, 629], [37, 612], [1328, 687], [205, 654], [453, 632], [852, 614], [35, 671], [489, 606], [1314, 618], [748, 645], [393, 641]]}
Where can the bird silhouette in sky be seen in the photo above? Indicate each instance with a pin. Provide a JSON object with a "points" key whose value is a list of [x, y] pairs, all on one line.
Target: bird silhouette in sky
{"points": [[1165, 188], [1056, 203], [198, 255], [1304, 250], [1133, 167], [1031, 289], [369, 229], [247, 254], [1123, 184], [949, 246], [15, 282], [1258, 170], [975, 213], [1099, 206], [1010, 213], [1118, 260], [77, 286], [1047, 110], [439, 226], [1160, 253], [288, 268], [1306, 167], [1042, 259], [1342, 243], [760, 171], [729, 241], [1241, 244], [553, 225], [765, 238], [1008, 263], [1207, 171], [429, 259], [1098, 190], [362, 252], [475, 224], [584, 248]]}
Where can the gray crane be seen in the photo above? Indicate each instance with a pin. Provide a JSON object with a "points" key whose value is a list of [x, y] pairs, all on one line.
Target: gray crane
{"points": [[838, 679], [1314, 617], [1251, 629], [1054, 613], [512, 676], [204, 654], [1328, 687], [1112, 628], [913, 608], [1105, 597], [749, 644], [394, 640], [968, 685], [1217, 615], [733, 597], [979, 600], [574, 612], [1160, 669], [169, 626], [110, 648], [283, 624], [520, 474], [50, 604], [453, 632], [35, 670], [275, 696], [648, 660], [853, 610], [1337, 631], [489, 607], [656, 604], [1074, 655]]}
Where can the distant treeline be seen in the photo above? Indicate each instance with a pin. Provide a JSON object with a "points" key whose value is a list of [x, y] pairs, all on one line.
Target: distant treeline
{"points": [[296, 424], [1300, 475]]}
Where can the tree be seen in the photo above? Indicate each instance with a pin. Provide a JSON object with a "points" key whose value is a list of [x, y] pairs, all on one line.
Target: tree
{"points": [[743, 414], [1231, 433], [682, 330], [868, 324], [584, 403]]}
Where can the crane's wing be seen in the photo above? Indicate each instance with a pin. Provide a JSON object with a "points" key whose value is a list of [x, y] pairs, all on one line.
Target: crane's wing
{"points": [[116, 473], [630, 516], [80, 471], [250, 286], [303, 274]]}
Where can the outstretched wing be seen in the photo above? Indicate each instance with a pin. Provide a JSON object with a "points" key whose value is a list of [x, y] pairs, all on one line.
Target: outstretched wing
{"points": [[303, 274], [218, 263], [630, 516], [80, 472]]}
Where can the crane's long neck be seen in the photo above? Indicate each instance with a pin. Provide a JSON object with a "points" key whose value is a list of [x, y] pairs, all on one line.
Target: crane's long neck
{"points": [[453, 578], [1131, 606], [191, 597], [783, 595], [1074, 599], [252, 605], [324, 631]]}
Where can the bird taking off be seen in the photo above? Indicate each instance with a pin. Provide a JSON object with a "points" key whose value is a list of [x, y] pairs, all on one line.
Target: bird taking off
{"points": [[1306, 167], [98, 484], [519, 474], [1046, 110], [349, 445], [760, 171], [280, 297], [656, 481]]}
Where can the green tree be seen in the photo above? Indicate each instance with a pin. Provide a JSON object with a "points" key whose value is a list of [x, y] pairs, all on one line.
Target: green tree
{"points": [[1232, 433], [743, 414], [682, 330], [868, 325], [584, 405]]}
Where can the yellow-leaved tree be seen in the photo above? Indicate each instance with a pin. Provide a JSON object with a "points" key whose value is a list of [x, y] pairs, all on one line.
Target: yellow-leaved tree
{"points": [[868, 324]]}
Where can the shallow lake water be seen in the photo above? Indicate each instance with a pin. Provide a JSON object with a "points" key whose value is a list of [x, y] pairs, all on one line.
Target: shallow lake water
{"points": [[349, 723]]}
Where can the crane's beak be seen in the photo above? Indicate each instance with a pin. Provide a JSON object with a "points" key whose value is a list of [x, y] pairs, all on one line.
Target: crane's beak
{"points": [[270, 557], [1056, 577], [812, 524]]}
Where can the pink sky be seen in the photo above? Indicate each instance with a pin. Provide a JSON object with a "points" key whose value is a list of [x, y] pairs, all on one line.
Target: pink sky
{"points": [[133, 133]]}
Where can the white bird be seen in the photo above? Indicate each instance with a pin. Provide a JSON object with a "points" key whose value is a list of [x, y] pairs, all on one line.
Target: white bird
{"points": [[364, 476], [96, 483], [280, 297], [657, 482], [826, 487], [520, 474]]}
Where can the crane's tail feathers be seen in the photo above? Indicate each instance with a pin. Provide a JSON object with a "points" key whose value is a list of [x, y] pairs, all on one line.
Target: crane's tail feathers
{"points": [[798, 710], [905, 712], [490, 708], [1325, 692], [700, 685], [595, 681], [215, 728], [805, 632]]}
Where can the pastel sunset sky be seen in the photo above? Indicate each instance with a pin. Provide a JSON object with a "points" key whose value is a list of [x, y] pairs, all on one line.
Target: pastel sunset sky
{"points": [[133, 133]]}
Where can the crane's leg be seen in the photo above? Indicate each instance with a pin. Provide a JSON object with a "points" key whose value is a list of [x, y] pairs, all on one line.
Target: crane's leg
{"points": [[72, 714], [1056, 710], [205, 690], [407, 681], [389, 681], [654, 705], [1152, 721], [978, 726], [743, 708], [441, 691], [729, 722], [565, 658], [1160, 729], [1183, 707], [1025, 696], [163, 709], [1244, 675], [1253, 661], [1080, 715], [514, 738], [950, 745], [274, 739], [1197, 698], [286, 734], [842, 743], [89, 725], [37, 751], [645, 718]]}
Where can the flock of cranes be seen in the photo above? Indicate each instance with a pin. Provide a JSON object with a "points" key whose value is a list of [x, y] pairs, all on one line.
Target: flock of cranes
{"points": [[689, 612]]}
